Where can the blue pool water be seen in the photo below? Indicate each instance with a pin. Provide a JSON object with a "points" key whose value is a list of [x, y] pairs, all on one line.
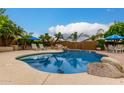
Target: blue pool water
{"points": [[67, 62]]}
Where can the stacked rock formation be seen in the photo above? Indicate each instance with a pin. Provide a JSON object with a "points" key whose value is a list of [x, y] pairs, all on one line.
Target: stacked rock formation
{"points": [[108, 67]]}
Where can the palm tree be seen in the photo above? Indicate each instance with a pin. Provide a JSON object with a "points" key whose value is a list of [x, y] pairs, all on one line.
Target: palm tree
{"points": [[9, 31], [99, 34], [46, 39], [74, 36], [83, 35], [93, 37], [18, 32], [58, 37], [25, 39]]}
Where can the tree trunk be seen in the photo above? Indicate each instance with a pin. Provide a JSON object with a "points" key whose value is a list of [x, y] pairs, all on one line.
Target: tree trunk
{"points": [[24, 45], [56, 40], [6, 42], [12, 41]]}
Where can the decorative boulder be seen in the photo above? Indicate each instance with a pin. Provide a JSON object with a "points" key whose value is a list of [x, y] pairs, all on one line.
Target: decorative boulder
{"points": [[113, 62], [104, 70]]}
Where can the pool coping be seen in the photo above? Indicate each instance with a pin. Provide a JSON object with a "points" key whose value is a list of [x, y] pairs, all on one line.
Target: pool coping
{"points": [[31, 54]]}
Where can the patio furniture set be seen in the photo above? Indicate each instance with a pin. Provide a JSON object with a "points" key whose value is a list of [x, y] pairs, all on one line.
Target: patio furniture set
{"points": [[115, 49]]}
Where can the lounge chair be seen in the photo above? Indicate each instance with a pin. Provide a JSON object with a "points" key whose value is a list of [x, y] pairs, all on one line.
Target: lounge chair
{"points": [[41, 46], [34, 46], [106, 48], [111, 48]]}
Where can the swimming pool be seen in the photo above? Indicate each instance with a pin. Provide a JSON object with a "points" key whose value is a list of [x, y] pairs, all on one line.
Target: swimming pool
{"points": [[67, 62]]}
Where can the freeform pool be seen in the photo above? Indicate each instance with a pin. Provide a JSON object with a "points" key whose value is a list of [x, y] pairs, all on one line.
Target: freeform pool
{"points": [[67, 62]]}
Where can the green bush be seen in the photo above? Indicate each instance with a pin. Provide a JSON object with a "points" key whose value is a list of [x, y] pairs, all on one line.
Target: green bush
{"points": [[101, 44], [117, 28]]}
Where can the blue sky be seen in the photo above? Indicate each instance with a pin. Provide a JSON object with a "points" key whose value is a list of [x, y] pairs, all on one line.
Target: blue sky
{"points": [[39, 20]]}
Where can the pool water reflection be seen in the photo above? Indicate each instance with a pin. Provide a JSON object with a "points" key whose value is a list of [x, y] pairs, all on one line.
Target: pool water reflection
{"points": [[67, 62]]}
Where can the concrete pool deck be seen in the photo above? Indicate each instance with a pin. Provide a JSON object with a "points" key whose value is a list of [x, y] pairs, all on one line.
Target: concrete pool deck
{"points": [[16, 72]]}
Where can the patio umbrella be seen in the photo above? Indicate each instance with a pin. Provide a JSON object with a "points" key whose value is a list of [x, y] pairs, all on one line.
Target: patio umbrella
{"points": [[34, 38], [114, 37]]}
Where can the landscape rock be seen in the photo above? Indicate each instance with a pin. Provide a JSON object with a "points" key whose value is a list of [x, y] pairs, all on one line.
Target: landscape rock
{"points": [[113, 62], [104, 70]]}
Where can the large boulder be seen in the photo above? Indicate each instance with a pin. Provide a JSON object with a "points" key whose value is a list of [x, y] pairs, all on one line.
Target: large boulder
{"points": [[113, 62], [104, 70]]}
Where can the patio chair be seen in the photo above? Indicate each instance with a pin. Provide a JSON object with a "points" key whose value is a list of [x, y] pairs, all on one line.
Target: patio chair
{"points": [[41, 46], [119, 48], [34, 46], [106, 48], [123, 48], [111, 48]]}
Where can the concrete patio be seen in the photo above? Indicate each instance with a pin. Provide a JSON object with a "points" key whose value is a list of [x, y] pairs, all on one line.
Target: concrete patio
{"points": [[13, 71]]}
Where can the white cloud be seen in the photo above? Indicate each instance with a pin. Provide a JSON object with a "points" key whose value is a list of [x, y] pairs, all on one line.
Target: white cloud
{"points": [[80, 27]]}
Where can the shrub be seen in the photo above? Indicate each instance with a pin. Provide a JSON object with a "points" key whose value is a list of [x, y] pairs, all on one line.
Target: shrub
{"points": [[101, 44]]}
